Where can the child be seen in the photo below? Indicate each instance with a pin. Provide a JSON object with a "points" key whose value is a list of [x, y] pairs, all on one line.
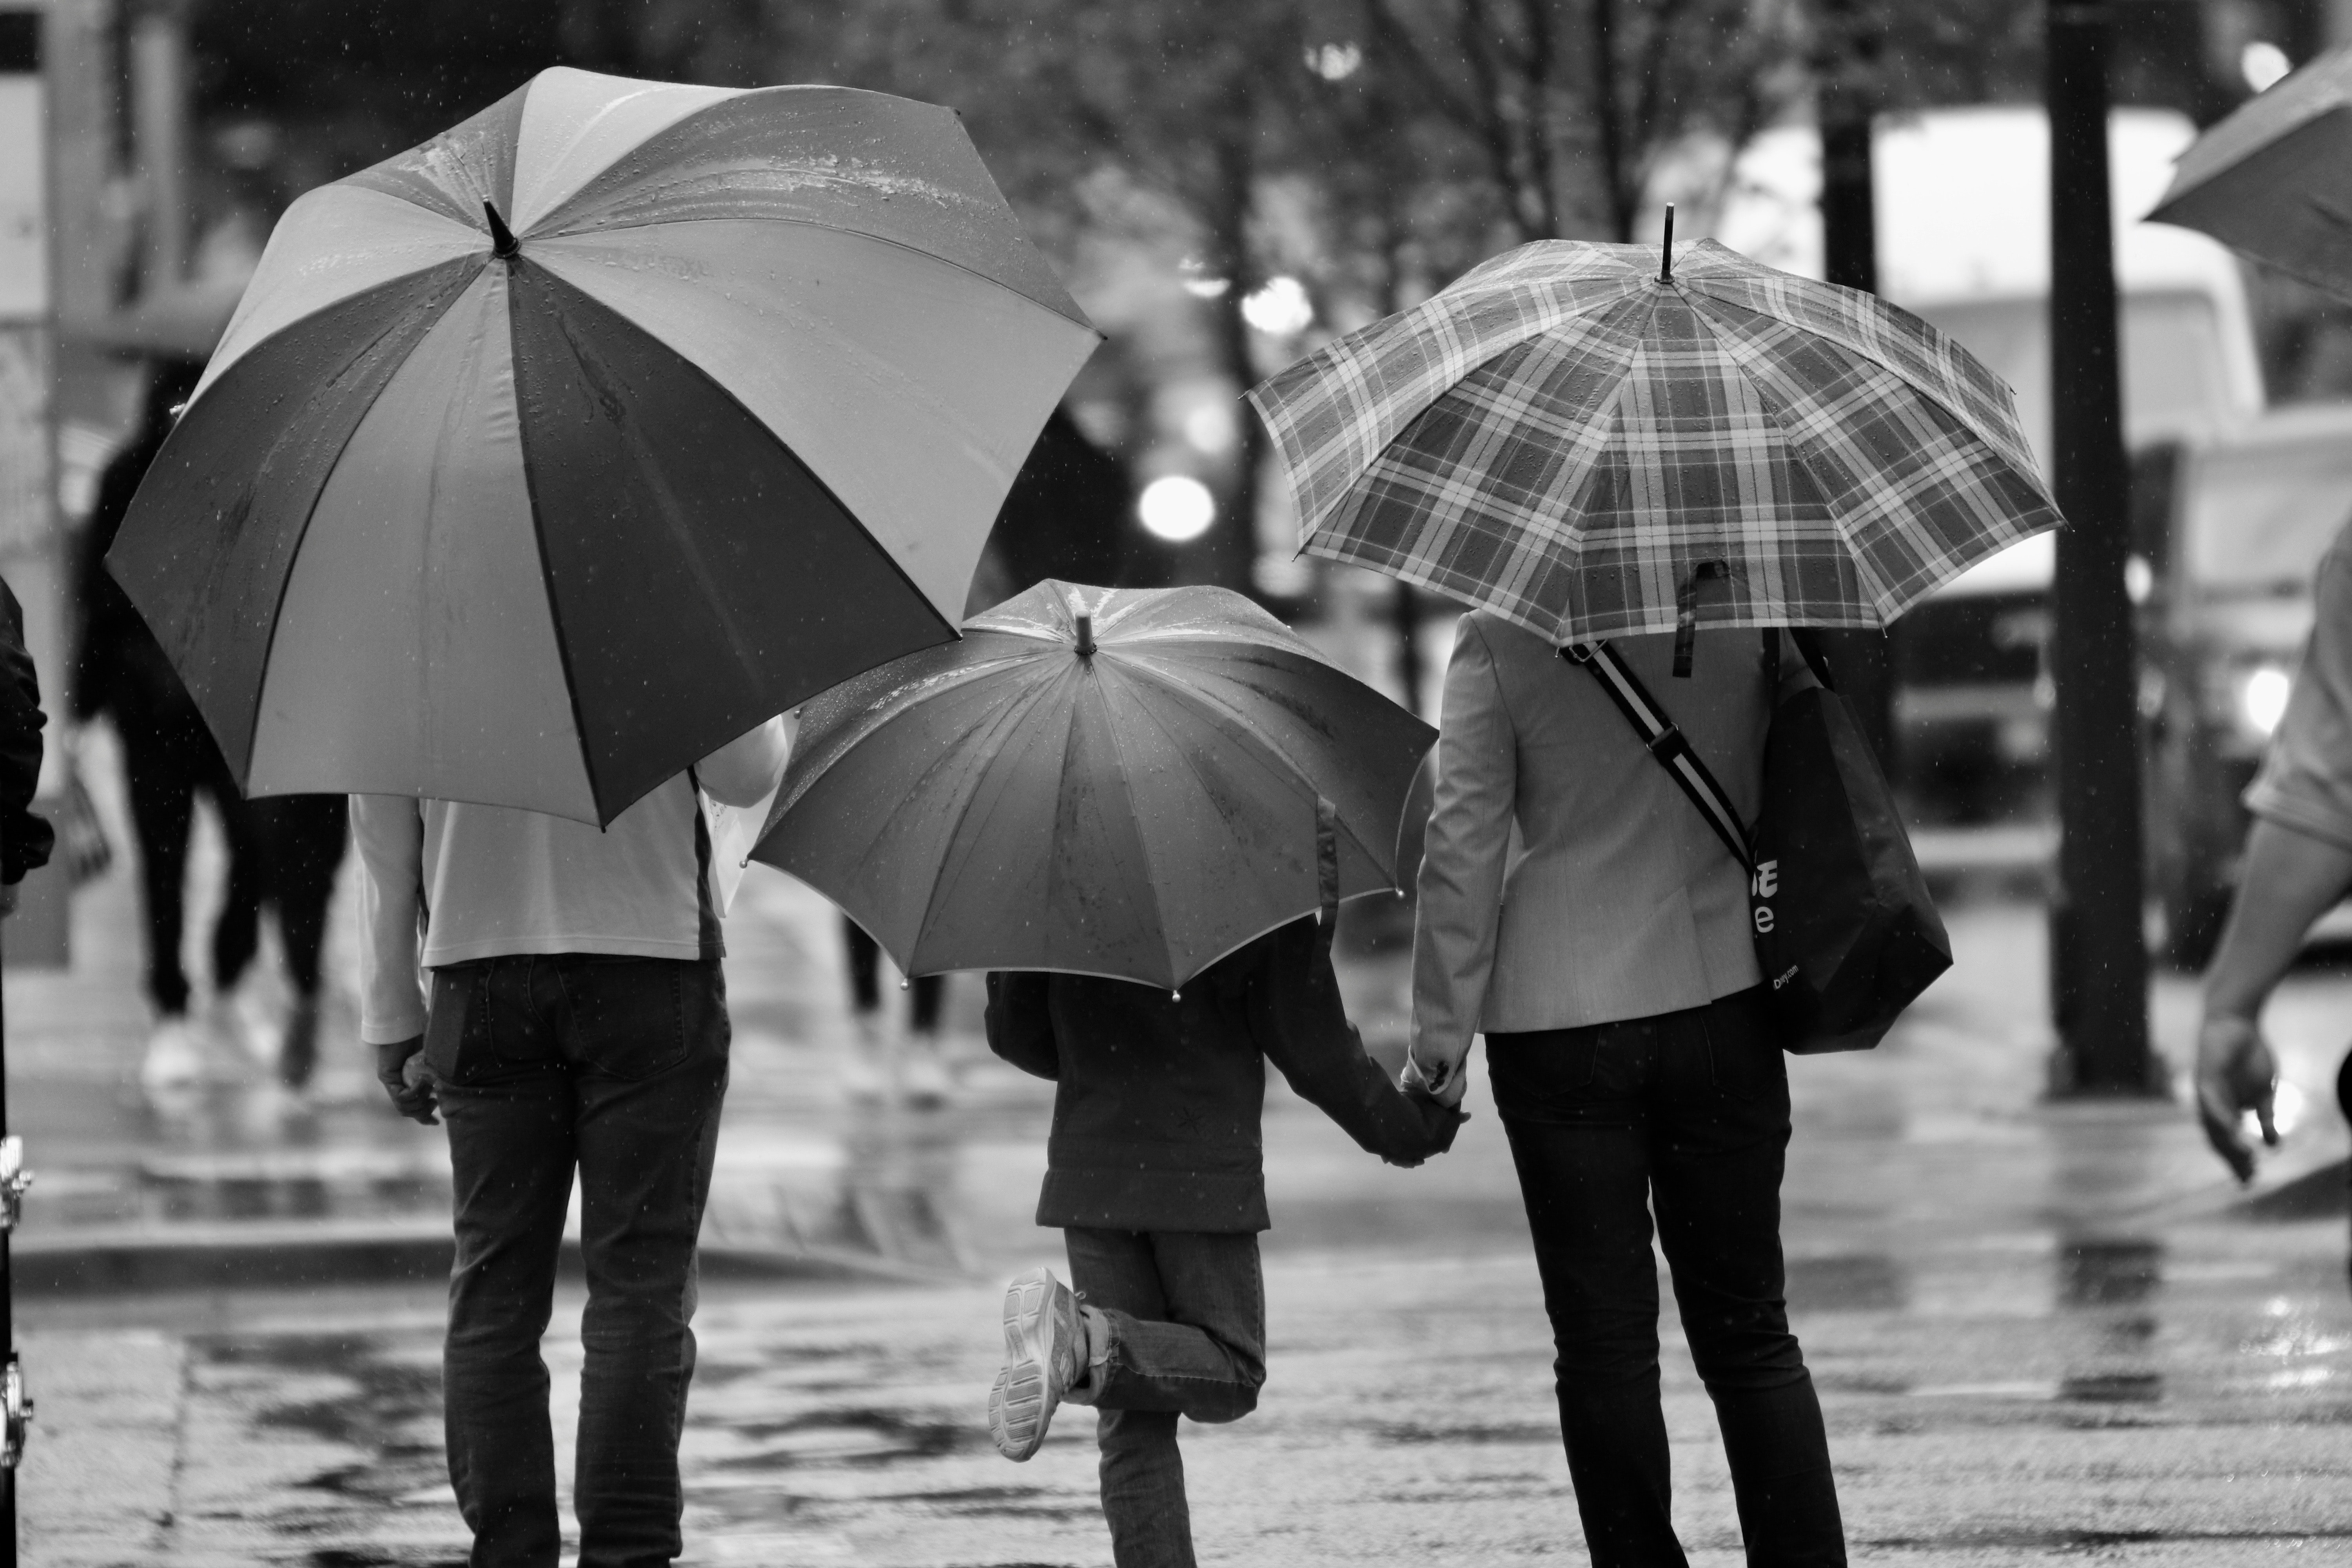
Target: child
{"points": [[1155, 1175]]}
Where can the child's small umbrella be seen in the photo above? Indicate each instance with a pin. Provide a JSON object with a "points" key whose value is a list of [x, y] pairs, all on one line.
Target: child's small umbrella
{"points": [[1096, 781], [544, 458]]}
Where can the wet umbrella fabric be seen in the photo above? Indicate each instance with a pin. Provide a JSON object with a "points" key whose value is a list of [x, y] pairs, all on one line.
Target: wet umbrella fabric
{"points": [[2275, 178], [1590, 451], [548, 457], [1010, 801]]}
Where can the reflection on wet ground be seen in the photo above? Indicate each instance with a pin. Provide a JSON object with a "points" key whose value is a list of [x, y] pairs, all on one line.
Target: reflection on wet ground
{"points": [[2037, 1330]]}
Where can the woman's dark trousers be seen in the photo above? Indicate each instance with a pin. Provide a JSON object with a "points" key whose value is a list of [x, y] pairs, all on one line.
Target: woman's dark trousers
{"points": [[1187, 1316], [616, 1066], [1685, 1114]]}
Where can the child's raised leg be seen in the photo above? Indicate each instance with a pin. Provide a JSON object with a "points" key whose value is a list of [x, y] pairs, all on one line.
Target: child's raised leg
{"points": [[1176, 1326]]}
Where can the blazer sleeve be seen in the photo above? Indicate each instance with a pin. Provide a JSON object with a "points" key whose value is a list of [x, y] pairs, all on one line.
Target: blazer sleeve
{"points": [[1299, 1022], [1021, 1022], [1461, 865]]}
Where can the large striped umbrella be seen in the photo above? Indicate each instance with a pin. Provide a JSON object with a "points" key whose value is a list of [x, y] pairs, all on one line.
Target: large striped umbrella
{"points": [[546, 458], [1593, 446]]}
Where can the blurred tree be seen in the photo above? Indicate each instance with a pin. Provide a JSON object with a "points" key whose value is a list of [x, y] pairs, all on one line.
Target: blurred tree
{"points": [[1572, 104], [1185, 97]]}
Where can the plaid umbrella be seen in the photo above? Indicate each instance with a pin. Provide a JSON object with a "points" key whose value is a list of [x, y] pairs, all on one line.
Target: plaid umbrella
{"points": [[1592, 449]]}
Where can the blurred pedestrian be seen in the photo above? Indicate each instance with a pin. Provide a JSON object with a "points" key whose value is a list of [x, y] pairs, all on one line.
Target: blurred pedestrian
{"points": [[1155, 1176], [876, 1064], [168, 759], [25, 835], [2297, 864], [1577, 910], [576, 1019]]}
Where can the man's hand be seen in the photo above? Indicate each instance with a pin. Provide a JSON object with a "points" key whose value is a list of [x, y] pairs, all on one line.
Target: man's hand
{"points": [[2235, 1073], [400, 1068]]}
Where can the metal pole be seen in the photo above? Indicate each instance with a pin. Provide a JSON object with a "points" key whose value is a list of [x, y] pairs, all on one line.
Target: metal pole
{"points": [[1862, 661], [2098, 949]]}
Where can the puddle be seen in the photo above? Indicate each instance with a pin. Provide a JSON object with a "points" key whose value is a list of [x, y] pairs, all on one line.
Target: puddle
{"points": [[1856, 1282], [2108, 1272]]}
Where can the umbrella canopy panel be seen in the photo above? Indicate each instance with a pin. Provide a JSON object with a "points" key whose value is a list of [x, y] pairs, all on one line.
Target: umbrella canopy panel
{"points": [[619, 418], [1565, 437], [1139, 811], [2275, 178]]}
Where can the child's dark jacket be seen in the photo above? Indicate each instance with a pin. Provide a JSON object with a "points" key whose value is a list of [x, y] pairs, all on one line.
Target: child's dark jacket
{"points": [[1155, 1116]]}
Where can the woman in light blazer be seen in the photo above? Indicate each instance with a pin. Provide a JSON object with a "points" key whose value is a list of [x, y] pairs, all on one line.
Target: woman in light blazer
{"points": [[1578, 912]]}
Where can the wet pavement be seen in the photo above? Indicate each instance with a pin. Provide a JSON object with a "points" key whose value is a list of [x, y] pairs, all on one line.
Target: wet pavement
{"points": [[2040, 1331]]}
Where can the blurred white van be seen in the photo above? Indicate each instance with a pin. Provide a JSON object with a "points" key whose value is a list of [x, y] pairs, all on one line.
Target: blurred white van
{"points": [[1964, 239]]}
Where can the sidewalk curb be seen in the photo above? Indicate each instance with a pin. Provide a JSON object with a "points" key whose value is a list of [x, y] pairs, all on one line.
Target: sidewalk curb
{"points": [[96, 1260]]}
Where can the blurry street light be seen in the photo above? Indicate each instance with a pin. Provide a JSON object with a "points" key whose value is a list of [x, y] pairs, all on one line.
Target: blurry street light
{"points": [[2262, 63], [1334, 62], [1176, 508], [1200, 283], [1281, 308]]}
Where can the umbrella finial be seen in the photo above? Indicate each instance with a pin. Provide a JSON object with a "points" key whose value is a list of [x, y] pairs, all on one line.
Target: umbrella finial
{"points": [[1666, 249], [1085, 624], [503, 243]]}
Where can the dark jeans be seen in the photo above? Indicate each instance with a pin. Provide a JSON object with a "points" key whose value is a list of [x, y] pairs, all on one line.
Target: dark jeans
{"points": [[866, 981], [1685, 1114], [1187, 1315], [616, 1066], [168, 757]]}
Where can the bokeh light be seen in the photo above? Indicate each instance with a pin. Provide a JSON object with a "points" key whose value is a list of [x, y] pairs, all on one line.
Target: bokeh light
{"points": [[1176, 508], [1279, 309]]}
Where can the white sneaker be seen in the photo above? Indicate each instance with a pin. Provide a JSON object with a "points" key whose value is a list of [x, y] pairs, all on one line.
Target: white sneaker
{"points": [[175, 1059], [1045, 1351]]}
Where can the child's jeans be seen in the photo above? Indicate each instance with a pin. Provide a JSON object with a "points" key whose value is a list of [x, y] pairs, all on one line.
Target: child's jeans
{"points": [[1187, 1315]]}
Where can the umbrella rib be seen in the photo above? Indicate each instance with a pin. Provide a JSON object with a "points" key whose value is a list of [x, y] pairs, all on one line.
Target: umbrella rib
{"points": [[878, 717], [1778, 412], [1014, 713], [1187, 691], [1853, 344]]}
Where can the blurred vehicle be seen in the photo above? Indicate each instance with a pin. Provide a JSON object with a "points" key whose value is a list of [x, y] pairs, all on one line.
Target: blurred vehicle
{"points": [[2235, 526], [1964, 240]]}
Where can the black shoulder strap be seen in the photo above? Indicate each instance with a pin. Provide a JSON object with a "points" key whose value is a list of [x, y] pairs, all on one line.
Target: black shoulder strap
{"points": [[712, 944], [1666, 743]]}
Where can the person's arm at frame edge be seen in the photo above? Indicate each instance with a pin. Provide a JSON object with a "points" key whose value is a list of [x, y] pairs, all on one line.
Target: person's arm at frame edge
{"points": [[2289, 879]]}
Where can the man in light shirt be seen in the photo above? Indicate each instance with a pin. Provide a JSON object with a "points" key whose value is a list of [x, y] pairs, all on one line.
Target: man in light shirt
{"points": [[577, 1018]]}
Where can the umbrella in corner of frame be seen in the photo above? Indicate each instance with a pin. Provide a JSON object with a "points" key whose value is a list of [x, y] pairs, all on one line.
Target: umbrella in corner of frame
{"points": [[546, 458], [2274, 179]]}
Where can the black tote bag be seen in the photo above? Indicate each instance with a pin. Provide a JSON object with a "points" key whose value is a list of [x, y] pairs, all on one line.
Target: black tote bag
{"points": [[1845, 933]]}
